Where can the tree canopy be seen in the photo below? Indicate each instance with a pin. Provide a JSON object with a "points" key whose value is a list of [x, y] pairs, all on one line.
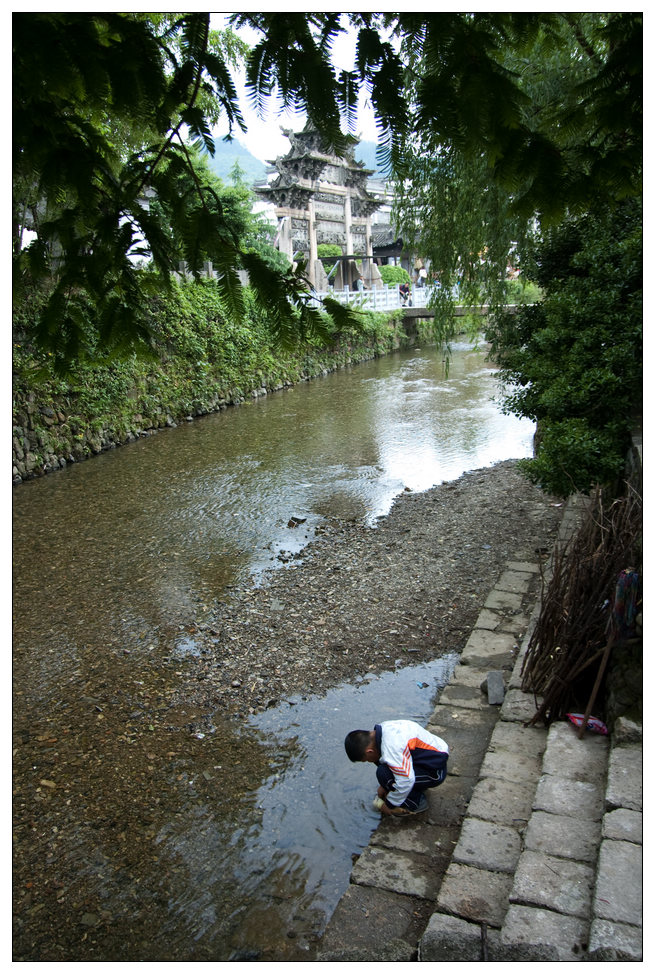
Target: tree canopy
{"points": [[107, 111], [485, 120], [521, 120], [573, 362]]}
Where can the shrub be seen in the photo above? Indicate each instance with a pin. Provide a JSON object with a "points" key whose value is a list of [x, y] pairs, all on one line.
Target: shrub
{"points": [[391, 274], [573, 361]]}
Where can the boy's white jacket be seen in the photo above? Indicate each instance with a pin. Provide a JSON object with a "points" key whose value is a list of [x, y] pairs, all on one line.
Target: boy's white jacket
{"points": [[399, 738]]}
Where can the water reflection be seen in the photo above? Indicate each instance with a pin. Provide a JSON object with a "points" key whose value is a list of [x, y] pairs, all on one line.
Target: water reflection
{"points": [[129, 540], [276, 872], [112, 556]]}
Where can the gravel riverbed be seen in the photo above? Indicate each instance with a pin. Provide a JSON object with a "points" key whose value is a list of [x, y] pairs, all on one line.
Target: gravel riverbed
{"points": [[366, 599], [118, 753]]}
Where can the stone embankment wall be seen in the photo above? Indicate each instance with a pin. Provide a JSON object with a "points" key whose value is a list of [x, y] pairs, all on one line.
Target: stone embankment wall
{"points": [[624, 679], [49, 435]]}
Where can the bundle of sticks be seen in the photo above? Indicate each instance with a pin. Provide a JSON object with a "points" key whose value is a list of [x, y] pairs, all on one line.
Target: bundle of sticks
{"points": [[588, 609]]}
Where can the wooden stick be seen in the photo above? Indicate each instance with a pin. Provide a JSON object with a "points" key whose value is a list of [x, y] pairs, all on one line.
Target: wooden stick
{"points": [[594, 692]]}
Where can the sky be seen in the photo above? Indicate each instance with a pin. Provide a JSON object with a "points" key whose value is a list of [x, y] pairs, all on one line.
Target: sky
{"points": [[264, 138]]}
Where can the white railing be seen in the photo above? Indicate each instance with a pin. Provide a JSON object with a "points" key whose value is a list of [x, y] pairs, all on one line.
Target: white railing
{"points": [[386, 298]]}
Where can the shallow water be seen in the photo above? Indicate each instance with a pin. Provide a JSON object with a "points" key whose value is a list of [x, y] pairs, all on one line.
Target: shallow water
{"points": [[133, 539], [268, 888], [229, 853]]}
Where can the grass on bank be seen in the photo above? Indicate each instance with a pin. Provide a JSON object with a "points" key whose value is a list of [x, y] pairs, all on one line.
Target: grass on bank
{"points": [[200, 360]]}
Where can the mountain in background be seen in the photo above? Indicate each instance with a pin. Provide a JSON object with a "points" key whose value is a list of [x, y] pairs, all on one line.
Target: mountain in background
{"points": [[229, 153], [365, 152]]}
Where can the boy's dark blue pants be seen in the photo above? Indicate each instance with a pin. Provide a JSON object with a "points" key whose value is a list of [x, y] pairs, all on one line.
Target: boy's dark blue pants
{"points": [[429, 770]]}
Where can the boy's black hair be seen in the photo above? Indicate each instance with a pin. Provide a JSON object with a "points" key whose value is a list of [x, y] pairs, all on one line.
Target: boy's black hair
{"points": [[356, 743]]}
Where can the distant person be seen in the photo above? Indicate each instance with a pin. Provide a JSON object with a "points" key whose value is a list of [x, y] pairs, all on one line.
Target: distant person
{"points": [[404, 293], [409, 760]]}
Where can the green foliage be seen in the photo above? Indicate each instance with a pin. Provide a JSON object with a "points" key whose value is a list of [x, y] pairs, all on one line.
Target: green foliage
{"points": [[78, 80], [329, 250], [509, 125], [574, 455], [487, 121], [573, 363], [550, 104], [523, 291], [394, 275], [201, 358]]}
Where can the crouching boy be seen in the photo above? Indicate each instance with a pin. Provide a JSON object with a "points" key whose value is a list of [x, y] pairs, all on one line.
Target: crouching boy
{"points": [[409, 760]]}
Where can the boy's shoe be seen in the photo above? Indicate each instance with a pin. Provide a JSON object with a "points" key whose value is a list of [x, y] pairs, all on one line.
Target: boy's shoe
{"points": [[422, 806], [377, 804]]}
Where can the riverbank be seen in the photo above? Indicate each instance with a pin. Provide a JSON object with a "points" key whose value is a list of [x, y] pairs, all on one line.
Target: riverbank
{"points": [[361, 599], [200, 363], [102, 768], [504, 863]]}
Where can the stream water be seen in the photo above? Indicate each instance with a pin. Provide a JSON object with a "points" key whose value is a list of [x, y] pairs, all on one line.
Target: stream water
{"points": [[112, 554]]}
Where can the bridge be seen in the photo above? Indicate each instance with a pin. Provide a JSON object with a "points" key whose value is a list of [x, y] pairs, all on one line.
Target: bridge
{"points": [[388, 298], [385, 298]]}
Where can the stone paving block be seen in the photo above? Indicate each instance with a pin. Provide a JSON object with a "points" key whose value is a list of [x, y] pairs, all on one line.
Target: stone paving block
{"points": [[515, 622], [468, 676], [391, 951], [488, 620], [451, 939], [448, 717], [615, 942], [498, 599], [475, 894], [448, 803], [627, 731], [491, 661], [415, 835], [519, 706], [396, 871], [495, 687], [554, 884], [516, 679], [624, 824], [569, 837], [483, 642], [569, 757], [530, 741], [532, 934], [468, 746], [511, 766], [488, 845], [366, 919], [524, 566], [511, 581], [619, 890], [458, 695], [560, 796], [625, 778], [505, 802]]}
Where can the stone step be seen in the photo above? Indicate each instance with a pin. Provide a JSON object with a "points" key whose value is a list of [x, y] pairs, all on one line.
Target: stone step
{"points": [[551, 897], [547, 866], [531, 849], [561, 881], [616, 922], [396, 881]]}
